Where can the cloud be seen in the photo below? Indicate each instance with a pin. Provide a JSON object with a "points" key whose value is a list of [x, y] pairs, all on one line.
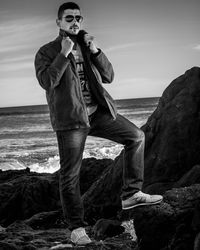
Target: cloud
{"points": [[12, 48], [23, 91], [135, 87], [123, 46], [135, 80], [21, 62], [197, 47], [21, 34], [16, 59], [20, 39], [16, 66]]}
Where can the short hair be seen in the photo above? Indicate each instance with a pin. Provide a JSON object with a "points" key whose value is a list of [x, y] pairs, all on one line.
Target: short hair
{"points": [[64, 6]]}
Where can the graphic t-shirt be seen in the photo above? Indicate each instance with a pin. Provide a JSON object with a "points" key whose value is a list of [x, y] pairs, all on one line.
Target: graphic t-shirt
{"points": [[87, 95]]}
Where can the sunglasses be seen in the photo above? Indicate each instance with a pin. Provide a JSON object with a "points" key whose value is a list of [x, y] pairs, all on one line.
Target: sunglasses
{"points": [[71, 18]]}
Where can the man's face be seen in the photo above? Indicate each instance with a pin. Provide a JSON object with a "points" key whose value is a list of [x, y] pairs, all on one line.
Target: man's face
{"points": [[71, 21]]}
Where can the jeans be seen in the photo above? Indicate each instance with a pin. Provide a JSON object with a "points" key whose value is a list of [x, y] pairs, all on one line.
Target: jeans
{"points": [[71, 146]]}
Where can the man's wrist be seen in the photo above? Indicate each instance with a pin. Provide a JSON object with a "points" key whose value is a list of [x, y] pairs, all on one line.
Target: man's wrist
{"points": [[94, 51], [64, 53]]}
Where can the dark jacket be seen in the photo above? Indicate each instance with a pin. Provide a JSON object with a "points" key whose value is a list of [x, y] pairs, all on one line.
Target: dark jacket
{"points": [[57, 74]]}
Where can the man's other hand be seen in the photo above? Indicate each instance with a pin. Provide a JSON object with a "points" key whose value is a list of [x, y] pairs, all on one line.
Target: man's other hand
{"points": [[89, 40]]}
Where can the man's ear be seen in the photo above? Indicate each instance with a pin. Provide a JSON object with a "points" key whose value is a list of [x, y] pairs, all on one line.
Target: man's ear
{"points": [[58, 22]]}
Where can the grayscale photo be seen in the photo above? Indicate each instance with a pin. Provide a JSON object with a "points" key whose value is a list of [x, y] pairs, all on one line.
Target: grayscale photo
{"points": [[100, 124]]}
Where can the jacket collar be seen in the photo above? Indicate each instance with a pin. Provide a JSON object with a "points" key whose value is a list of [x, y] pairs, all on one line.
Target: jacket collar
{"points": [[63, 33]]}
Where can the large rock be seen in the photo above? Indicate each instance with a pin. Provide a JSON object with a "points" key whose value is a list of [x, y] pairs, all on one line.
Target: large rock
{"points": [[173, 224], [21, 236], [173, 133], [91, 169], [24, 193], [102, 200]]}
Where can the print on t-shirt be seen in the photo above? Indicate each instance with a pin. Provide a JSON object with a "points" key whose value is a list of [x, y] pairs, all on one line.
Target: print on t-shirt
{"points": [[82, 76]]}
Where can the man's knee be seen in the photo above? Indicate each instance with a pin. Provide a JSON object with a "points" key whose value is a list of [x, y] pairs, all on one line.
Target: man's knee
{"points": [[141, 135], [138, 137]]}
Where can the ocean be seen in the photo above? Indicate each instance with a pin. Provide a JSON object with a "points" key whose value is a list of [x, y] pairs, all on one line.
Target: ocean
{"points": [[27, 139]]}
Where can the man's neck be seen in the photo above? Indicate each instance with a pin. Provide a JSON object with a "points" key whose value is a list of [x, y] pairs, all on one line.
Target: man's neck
{"points": [[64, 33]]}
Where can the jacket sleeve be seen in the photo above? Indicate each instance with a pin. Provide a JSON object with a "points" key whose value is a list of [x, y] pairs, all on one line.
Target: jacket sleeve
{"points": [[104, 66], [49, 72]]}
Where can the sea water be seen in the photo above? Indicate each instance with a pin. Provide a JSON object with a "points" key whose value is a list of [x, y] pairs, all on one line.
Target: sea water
{"points": [[27, 139]]}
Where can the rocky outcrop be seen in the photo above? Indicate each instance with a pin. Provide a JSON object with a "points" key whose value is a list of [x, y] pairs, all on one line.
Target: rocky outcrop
{"points": [[21, 236], [169, 225], [91, 170], [24, 193], [173, 133], [102, 200]]}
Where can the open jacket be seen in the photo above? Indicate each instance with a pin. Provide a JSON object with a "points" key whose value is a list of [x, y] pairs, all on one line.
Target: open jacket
{"points": [[57, 74]]}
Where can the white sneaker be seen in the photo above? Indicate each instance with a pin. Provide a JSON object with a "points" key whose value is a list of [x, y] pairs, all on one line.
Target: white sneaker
{"points": [[141, 199], [79, 236]]}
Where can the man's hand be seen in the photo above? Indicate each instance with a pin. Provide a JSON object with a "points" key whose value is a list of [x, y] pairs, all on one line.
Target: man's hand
{"points": [[66, 46], [89, 40]]}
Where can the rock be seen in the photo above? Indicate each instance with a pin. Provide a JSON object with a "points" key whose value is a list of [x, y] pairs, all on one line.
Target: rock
{"points": [[7, 246], [24, 193], [2, 228], [168, 223], [91, 170], [102, 200], [191, 177], [172, 133], [20, 236], [107, 228], [197, 242], [196, 217], [45, 220]]}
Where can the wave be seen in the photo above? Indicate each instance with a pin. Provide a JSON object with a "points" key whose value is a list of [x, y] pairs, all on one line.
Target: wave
{"points": [[52, 164]]}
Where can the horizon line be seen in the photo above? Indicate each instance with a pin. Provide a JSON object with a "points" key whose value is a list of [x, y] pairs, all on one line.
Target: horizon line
{"points": [[32, 105]]}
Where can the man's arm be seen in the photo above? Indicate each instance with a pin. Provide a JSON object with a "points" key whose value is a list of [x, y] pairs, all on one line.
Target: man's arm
{"points": [[99, 60], [49, 72], [104, 66]]}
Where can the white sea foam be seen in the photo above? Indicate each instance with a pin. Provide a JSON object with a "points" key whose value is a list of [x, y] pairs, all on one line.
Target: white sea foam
{"points": [[50, 166], [104, 152], [53, 164]]}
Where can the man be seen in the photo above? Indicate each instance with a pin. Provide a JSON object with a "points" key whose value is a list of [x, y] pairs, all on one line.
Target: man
{"points": [[72, 69]]}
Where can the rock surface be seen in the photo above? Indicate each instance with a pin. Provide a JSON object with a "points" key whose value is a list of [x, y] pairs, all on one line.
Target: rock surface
{"points": [[173, 133], [169, 224], [24, 193], [21, 236]]}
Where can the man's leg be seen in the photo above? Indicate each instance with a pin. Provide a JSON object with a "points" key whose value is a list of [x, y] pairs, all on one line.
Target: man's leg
{"points": [[124, 132], [71, 145]]}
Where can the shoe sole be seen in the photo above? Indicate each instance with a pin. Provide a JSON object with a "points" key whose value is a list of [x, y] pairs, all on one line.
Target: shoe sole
{"points": [[81, 244], [142, 204]]}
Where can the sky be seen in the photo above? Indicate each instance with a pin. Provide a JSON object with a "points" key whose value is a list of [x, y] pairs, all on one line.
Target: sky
{"points": [[149, 43]]}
